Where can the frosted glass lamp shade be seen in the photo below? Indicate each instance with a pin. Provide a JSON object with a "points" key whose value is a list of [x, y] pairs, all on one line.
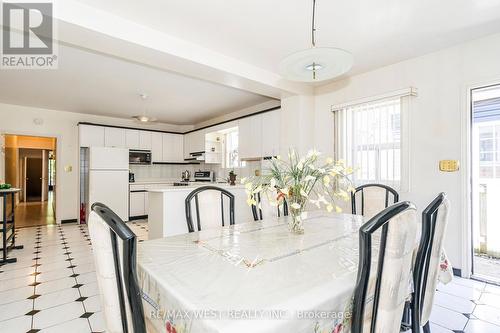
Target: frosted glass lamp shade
{"points": [[316, 64]]}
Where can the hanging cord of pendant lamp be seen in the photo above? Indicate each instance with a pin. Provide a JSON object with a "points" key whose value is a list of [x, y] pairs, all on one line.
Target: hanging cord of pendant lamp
{"points": [[313, 36]]}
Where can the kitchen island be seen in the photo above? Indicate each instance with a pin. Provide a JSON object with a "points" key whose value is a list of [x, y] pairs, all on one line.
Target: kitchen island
{"points": [[167, 216]]}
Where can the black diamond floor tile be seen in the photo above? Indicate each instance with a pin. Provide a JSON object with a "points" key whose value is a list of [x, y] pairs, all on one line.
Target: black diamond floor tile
{"points": [[32, 312], [34, 296], [80, 299], [86, 315]]}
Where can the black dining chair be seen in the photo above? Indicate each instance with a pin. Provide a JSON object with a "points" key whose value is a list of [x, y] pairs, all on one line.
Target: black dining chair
{"points": [[257, 209], [369, 199], [384, 269], [425, 275], [114, 246], [195, 195]]}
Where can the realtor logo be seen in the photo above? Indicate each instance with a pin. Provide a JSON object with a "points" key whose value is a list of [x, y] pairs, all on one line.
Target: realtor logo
{"points": [[28, 35]]}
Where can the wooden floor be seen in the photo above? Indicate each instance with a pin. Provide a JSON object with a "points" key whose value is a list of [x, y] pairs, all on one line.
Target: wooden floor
{"points": [[29, 214]]}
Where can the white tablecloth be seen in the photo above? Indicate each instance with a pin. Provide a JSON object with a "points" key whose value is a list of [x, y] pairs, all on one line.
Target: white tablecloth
{"points": [[252, 277]]}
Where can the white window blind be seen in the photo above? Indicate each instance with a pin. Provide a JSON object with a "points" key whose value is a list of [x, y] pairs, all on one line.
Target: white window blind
{"points": [[375, 145], [371, 136]]}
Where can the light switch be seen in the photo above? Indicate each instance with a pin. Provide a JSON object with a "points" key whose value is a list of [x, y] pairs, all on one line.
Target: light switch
{"points": [[449, 165], [68, 168]]}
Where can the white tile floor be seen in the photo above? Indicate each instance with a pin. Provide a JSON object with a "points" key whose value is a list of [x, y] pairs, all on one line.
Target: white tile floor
{"points": [[52, 288]]}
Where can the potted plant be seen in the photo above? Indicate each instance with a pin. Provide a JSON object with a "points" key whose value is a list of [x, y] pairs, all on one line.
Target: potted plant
{"points": [[301, 181], [232, 178]]}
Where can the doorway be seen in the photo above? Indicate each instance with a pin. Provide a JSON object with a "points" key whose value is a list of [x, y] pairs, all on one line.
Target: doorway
{"points": [[30, 166], [485, 172]]}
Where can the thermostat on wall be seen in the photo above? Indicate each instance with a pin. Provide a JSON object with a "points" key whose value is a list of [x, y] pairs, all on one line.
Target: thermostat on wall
{"points": [[449, 165]]}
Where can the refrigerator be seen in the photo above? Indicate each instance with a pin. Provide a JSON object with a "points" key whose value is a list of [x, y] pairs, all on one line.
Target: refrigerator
{"points": [[105, 179]]}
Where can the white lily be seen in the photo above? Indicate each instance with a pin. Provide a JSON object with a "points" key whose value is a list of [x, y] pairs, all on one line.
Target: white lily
{"points": [[295, 205], [303, 193], [329, 160]]}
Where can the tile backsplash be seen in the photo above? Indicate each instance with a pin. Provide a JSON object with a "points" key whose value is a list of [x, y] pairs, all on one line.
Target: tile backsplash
{"points": [[173, 172]]}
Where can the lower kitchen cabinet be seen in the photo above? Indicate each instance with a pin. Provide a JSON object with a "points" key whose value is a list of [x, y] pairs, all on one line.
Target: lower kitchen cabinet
{"points": [[138, 201]]}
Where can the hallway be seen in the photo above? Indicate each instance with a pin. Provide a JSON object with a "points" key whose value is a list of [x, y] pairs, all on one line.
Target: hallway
{"points": [[30, 214]]}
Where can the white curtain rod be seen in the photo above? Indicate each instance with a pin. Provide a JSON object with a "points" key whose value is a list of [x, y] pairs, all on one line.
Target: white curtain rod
{"points": [[411, 91]]}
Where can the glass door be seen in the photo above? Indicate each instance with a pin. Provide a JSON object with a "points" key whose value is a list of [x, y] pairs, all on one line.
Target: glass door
{"points": [[485, 146]]}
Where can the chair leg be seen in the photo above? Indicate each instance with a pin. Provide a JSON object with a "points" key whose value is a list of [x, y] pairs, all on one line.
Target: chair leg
{"points": [[427, 328], [406, 320]]}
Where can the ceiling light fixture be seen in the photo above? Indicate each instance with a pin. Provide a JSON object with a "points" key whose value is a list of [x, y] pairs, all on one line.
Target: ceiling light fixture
{"points": [[316, 64], [144, 118]]}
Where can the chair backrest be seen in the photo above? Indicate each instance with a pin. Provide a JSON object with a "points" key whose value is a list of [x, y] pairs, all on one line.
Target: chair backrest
{"points": [[370, 199], [282, 210], [381, 291], [434, 222], [114, 247], [195, 195]]}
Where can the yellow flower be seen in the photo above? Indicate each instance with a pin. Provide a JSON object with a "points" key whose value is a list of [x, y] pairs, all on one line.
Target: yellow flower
{"points": [[329, 208], [248, 186], [251, 201], [338, 209], [329, 160], [326, 180]]}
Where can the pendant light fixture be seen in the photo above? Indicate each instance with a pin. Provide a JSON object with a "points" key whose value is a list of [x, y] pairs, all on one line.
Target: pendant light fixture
{"points": [[316, 64], [144, 118]]}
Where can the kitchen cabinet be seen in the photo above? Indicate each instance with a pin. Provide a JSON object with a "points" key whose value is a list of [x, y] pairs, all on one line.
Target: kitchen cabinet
{"points": [[115, 137], [194, 142], [172, 147], [91, 136], [132, 139], [145, 138], [271, 122], [156, 147], [138, 194], [250, 137]]}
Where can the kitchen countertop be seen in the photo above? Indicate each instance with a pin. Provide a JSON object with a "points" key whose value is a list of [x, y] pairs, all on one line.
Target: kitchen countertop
{"points": [[192, 186]]}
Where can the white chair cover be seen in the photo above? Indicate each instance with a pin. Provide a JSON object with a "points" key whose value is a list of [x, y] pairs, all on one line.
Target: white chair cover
{"points": [[435, 260], [106, 276], [396, 278]]}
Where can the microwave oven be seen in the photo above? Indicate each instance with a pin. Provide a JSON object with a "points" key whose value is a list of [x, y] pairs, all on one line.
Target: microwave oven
{"points": [[139, 157]]}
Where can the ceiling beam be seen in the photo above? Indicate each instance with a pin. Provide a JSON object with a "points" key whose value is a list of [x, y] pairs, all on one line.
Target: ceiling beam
{"points": [[86, 27]]}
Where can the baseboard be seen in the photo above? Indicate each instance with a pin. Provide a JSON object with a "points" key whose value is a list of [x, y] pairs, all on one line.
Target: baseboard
{"points": [[69, 221], [457, 272], [140, 217]]}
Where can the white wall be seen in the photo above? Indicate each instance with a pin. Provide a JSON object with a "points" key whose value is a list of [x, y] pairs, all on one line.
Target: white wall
{"points": [[16, 119], [436, 121]]}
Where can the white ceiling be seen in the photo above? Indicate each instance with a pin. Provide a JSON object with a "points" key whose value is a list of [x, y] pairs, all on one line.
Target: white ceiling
{"points": [[91, 83], [262, 32]]}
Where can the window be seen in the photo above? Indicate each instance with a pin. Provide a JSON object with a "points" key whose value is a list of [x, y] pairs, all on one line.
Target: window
{"points": [[489, 148], [369, 136], [230, 147]]}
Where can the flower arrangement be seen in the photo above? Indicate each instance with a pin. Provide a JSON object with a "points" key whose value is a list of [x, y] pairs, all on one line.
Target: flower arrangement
{"points": [[300, 181]]}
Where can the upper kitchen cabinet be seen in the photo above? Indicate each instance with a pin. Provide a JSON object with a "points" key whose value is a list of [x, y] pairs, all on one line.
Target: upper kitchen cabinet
{"points": [[91, 136], [132, 139], [156, 147], [271, 133], [145, 140], [115, 137], [250, 137], [172, 147], [194, 142]]}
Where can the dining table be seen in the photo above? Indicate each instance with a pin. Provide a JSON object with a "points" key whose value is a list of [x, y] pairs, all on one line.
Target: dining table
{"points": [[254, 277]]}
